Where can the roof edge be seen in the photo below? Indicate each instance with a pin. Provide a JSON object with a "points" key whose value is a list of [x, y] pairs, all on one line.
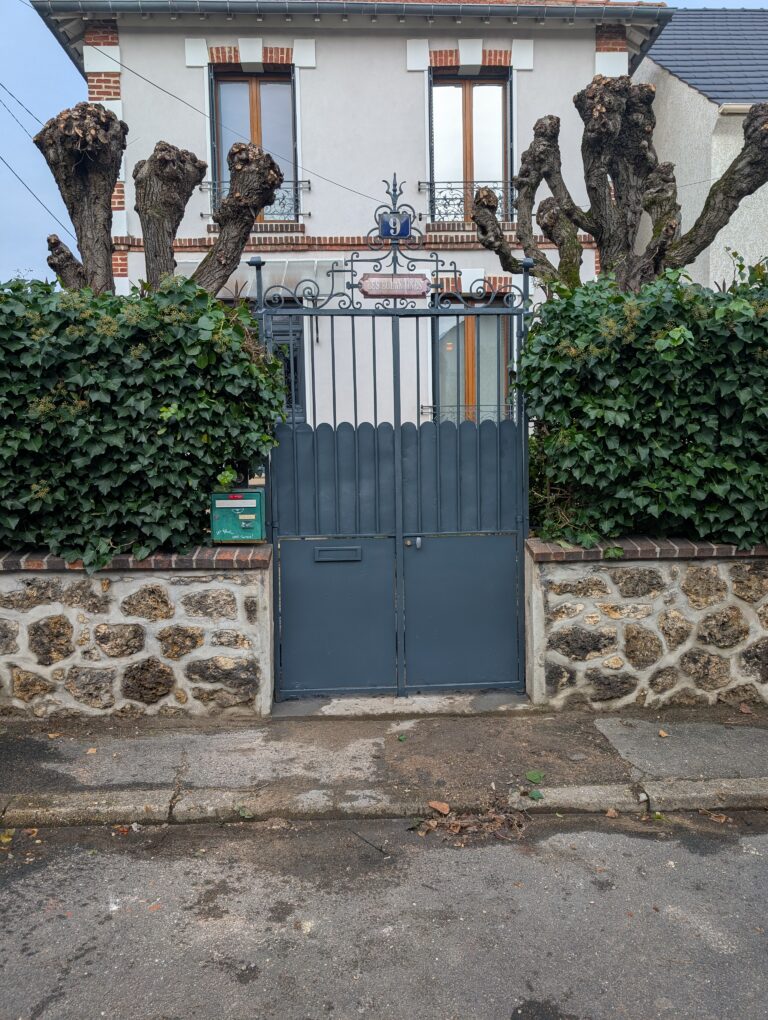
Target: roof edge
{"points": [[622, 12]]}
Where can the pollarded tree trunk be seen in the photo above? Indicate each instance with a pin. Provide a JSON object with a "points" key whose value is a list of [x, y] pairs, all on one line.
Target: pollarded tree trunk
{"points": [[624, 180], [164, 184], [254, 178], [83, 148], [64, 264]]}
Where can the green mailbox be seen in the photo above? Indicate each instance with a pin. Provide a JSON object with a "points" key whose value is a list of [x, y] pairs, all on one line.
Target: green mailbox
{"points": [[237, 516]]}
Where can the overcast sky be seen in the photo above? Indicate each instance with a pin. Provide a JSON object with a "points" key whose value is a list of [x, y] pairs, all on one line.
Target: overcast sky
{"points": [[38, 71]]}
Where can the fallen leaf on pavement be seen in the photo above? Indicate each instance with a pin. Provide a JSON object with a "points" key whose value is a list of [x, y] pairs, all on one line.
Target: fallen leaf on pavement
{"points": [[402, 737], [155, 906], [440, 806], [534, 776], [6, 836], [121, 830], [715, 816], [745, 709], [91, 750], [663, 733], [536, 795], [491, 823], [611, 813], [244, 812], [52, 736], [30, 832]]}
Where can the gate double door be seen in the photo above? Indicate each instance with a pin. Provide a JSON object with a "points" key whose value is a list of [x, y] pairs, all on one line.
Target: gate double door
{"points": [[397, 491], [398, 500]]}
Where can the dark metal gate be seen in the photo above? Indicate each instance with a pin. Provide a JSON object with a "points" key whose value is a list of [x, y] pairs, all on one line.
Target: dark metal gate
{"points": [[397, 492]]}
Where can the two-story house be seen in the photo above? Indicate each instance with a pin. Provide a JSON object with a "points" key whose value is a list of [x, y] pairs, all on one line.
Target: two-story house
{"points": [[397, 491], [344, 94]]}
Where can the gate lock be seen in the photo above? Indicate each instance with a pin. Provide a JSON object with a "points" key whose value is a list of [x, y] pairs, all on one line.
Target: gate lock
{"points": [[414, 541]]}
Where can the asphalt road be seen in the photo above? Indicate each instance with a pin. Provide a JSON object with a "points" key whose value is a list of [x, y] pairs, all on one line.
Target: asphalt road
{"points": [[577, 919]]}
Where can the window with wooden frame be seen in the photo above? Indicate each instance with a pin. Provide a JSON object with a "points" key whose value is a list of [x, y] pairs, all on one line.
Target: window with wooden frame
{"points": [[260, 109], [471, 373], [471, 138]]}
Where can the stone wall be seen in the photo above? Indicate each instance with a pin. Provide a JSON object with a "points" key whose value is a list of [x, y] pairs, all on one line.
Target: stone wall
{"points": [[684, 632], [136, 642]]}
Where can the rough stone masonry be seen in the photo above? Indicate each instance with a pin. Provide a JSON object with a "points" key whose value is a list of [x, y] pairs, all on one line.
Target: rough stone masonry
{"points": [[135, 643], [682, 633]]}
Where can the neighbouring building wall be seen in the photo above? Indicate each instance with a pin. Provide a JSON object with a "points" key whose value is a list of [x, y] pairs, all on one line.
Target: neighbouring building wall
{"points": [[685, 122], [687, 631], [747, 232], [130, 642]]}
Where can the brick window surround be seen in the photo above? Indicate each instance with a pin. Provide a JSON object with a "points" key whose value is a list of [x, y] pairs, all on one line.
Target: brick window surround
{"points": [[280, 55], [450, 58]]}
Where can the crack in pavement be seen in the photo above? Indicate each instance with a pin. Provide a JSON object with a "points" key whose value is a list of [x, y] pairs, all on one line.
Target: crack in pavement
{"points": [[178, 789]]}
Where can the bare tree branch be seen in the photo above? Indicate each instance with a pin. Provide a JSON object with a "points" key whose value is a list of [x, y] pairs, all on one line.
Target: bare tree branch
{"points": [[601, 106], [164, 184], [558, 228], [83, 147], [254, 178], [747, 173], [544, 153], [489, 230], [64, 264]]}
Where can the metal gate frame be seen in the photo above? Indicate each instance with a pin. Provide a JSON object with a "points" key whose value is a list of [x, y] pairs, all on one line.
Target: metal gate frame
{"points": [[344, 298]]}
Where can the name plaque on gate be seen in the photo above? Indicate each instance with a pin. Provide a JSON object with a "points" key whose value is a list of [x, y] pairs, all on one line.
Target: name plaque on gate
{"points": [[394, 285]]}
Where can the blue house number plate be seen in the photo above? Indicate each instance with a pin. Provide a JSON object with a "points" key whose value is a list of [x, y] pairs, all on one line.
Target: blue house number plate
{"points": [[395, 224]]}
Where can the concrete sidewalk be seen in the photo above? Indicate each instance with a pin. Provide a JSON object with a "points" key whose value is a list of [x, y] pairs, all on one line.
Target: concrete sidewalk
{"points": [[157, 771]]}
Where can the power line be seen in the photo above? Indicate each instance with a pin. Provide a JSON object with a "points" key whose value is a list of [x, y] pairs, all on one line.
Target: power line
{"points": [[16, 98], [36, 197], [23, 127]]}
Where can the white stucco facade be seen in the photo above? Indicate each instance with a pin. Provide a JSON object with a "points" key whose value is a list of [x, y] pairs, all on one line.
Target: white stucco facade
{"points": [[361, 100], [702, 140]]}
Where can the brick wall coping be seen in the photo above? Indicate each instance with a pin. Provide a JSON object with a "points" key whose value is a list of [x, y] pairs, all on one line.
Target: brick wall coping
{"points": [[640, 548], [227, 557]]}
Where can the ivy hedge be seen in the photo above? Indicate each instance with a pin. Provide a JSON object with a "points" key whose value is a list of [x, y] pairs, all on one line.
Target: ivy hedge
{"points": [[118, 415], [651, 411]]}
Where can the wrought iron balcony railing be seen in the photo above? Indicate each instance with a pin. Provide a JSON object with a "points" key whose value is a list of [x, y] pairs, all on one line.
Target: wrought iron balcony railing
{"points": [[452, 200], [285, 208]]}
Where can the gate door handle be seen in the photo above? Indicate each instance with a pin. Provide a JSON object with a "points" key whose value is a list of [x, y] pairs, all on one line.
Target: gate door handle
{"points": [[418, 542], [413, 541]]}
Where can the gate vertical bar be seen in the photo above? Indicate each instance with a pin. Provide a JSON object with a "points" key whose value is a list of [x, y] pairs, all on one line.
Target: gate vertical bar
{"points": [[399, 548], [273, 524], [522, 521], [335, 429], [417, 323], [314, 332]]}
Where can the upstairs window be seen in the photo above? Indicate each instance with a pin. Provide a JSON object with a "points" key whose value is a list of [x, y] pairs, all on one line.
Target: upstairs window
{"points": [[470, 144], [259, 109]]}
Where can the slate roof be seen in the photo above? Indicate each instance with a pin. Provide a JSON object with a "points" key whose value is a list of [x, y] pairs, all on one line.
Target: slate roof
{"points": [[721, 53]]}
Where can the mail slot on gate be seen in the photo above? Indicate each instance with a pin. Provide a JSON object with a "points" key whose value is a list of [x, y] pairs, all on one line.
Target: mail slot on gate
{"points": [[237, 516]]}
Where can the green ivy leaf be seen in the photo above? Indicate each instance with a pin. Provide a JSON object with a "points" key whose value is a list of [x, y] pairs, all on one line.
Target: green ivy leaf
{"points": [[104, 400]]}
